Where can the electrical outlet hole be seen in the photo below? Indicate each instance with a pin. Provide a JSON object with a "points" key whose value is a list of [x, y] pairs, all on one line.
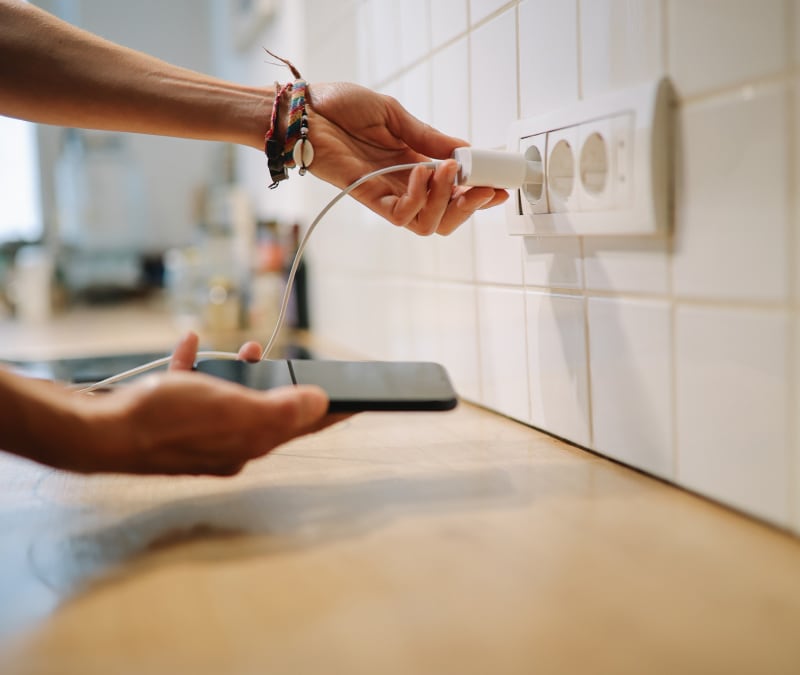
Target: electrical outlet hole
{"points": [[594, 164], [561, 170]]}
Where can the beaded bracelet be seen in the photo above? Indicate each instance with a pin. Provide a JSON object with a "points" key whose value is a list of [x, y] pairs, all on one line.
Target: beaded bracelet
{"points": [[297, 150]]}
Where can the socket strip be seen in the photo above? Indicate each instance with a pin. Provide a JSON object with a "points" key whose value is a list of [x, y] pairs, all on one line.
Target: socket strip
{"points": [[607, 165]]}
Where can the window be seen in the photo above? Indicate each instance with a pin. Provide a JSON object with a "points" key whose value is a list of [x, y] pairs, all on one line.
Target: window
{"points": [[20, 198]]}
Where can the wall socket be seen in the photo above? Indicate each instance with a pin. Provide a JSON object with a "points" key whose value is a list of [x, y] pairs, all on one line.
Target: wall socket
{"points": [[607, 165]]}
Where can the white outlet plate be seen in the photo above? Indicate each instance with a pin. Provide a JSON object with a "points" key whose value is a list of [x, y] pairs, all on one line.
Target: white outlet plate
{"points": [[622, 179]]}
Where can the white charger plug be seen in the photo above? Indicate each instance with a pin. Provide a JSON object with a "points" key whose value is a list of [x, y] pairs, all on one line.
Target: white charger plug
{"points": [[496, 169]]}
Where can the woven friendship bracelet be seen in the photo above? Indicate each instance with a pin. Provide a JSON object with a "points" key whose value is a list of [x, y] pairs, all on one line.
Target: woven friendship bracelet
{"points": [[297, 147], [273, 148], [295, 150]]}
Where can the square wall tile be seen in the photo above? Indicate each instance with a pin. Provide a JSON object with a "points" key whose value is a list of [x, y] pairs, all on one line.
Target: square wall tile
{"points": [[493, 97], [552, 262], [621, 44], [732, 382], [395, 314], [424, 320], [630, 365], [450, 82], [548, 55], [448, 20], [385, 38], [423, 256], [732, 197], [415, 30], [632, 264], [557, 368], [498, 256], [455, 254], [718, 44], [504, 372], [416, 91], [480, 9], [458, 338]]}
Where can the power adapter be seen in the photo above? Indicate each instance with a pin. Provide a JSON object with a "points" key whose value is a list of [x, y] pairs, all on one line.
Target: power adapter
{"points": [[496, 169]]}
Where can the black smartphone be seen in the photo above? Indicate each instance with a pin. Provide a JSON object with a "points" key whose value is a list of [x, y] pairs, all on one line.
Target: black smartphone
{"points": [[352, 386]]}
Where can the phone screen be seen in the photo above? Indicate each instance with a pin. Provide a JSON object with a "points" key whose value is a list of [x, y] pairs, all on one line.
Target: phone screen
{"points": [[352, 386]]}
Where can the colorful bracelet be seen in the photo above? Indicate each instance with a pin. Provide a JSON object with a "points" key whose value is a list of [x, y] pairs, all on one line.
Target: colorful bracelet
{"points": [[296, 150], [273, 148]]}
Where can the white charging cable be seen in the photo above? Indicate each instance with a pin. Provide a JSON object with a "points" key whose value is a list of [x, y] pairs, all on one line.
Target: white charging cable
{"points": [[487, 168]]}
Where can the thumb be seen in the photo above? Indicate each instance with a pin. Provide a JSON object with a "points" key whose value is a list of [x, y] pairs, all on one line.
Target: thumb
{"points": [[298, 407]]}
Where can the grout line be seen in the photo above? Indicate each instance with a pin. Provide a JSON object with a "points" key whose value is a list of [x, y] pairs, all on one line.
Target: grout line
{"points": [[521, 248], [708, 302], [793, 353], [781, 77], [587, 348], [665, 36]]}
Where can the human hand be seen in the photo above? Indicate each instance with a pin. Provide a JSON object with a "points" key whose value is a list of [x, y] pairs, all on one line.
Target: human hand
{"points": [[355, 130], [189, 423]]}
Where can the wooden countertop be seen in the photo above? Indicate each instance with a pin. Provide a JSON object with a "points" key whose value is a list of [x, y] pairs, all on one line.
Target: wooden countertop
{"points": [[454, 542]]}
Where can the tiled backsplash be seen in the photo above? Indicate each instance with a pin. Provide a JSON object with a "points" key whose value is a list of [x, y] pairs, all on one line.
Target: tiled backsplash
{"points": [[679, 356]]}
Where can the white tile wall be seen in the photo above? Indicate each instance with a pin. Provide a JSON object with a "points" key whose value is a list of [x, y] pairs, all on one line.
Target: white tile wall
{"points": [[456, 254], [416, 91], [458, 333], [448, 20], [795, 11], [415, 30], [501, 331], [552, 262], [425, 328], [732, 191], [493, 62], [498, 257], [692, 373], [621, 43], [384, 38], [480, 9], [794, 424], [547, 35], [450, 88], [732, 411], [632, 264], [717, 44], [795, 187], [557, 367], [630, 365]]}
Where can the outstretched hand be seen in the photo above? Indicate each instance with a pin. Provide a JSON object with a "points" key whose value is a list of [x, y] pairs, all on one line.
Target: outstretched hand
{"points": [[355, 130], [183, 422]]}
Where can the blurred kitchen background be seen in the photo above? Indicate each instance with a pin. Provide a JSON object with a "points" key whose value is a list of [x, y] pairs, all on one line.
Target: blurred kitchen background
{"points": [[675, 355]]}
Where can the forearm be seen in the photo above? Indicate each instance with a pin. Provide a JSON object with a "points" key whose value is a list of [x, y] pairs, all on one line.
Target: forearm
{"points": [[54, 73]]}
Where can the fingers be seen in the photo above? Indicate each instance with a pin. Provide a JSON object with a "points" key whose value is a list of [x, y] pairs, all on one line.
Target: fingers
{"points": [[440, 190], [185, 352], [433, 205], [250, 351], [403, 210], [465, 203]]}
